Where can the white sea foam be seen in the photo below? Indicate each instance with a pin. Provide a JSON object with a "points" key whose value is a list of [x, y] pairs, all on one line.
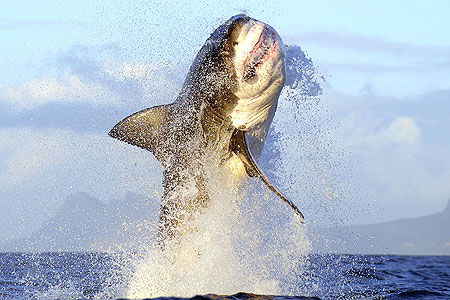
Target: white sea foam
{"points": [[243, 243]]}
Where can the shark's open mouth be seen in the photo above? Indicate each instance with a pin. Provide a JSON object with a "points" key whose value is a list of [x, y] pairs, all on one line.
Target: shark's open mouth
{"points": [[259, 54]]}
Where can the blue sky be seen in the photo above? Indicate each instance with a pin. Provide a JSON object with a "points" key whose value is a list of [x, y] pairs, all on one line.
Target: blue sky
{"points": [[71, 70]]}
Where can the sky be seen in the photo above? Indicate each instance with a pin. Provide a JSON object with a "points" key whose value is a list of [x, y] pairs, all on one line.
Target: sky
{"points": [[71, 70]]}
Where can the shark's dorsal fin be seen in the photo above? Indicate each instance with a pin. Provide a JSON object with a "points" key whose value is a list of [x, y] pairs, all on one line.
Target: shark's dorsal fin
{"points": [[145, 129], [238, 145]]}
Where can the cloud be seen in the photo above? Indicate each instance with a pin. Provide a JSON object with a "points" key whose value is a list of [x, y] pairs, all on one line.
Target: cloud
{"points": [[429, 110], [84, 79], [381, 68], [29, 153], [397, 150], [400, 131], [13, 24], [390, 67], [65, 88], [373, 44]]}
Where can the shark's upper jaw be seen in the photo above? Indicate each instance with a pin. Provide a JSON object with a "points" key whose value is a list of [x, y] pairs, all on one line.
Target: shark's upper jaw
{"points": [[259, 54], [257, 48]]}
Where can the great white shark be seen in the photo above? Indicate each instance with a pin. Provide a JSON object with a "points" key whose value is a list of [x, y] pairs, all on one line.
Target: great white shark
{"points": [[225, 108]]}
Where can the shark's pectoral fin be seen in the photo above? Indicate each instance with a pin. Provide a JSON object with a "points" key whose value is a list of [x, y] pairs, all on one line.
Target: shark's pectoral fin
{"points": [[145, 129], [238, 145]]}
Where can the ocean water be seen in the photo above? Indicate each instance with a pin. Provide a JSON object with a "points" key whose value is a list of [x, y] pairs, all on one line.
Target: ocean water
{"points": [[100, 276]]}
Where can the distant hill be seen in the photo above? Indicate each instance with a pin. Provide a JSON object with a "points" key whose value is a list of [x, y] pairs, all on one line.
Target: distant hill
{"points": [[415, 236], [83, 223]]}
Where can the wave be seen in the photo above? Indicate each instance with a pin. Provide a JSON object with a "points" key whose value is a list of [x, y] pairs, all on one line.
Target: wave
{"points": [[238, 296]]}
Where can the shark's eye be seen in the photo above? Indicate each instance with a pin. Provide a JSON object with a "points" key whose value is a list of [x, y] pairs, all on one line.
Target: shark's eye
{"points": [[235, 43]]}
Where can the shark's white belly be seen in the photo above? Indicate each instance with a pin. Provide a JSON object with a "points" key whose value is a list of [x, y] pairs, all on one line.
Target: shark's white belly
{"points": [[254, 116], [249, 113]]}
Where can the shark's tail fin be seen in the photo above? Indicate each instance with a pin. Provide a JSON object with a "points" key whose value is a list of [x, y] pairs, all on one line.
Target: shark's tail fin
{"points": [[145, 129]]}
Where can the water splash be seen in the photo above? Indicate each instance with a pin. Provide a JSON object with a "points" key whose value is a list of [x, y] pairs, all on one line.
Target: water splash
{"points": [[237, 247]]}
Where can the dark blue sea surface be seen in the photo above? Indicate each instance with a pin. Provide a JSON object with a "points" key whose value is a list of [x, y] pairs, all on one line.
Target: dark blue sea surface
{"points": [[96, 275]]}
